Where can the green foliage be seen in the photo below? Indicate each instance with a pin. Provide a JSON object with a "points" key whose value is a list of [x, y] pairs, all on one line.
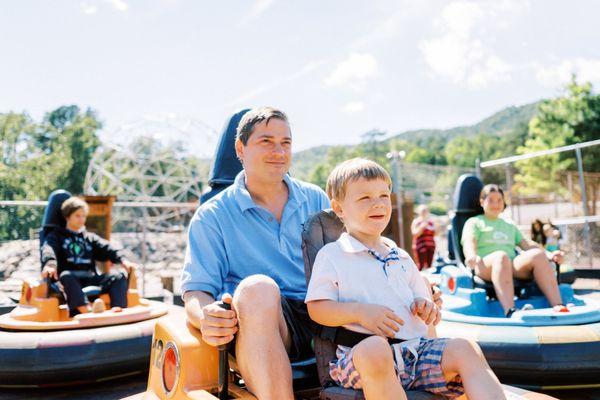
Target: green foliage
{"points": [[568, 119], [438, 208], [37, 158], [505, 131], [76, 133]]}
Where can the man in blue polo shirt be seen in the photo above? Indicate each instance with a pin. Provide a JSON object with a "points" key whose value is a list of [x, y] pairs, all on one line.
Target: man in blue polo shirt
{"points": [[247, 241]]}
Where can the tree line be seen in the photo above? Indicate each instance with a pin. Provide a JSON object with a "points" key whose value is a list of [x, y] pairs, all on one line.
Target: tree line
{"points": [[38, 157]]}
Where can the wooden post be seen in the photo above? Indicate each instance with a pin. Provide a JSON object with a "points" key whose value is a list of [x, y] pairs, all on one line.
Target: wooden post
{"points": [[100, 215]]}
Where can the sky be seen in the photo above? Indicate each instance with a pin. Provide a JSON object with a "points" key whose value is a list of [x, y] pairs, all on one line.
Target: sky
{"points": [[338, 68]]}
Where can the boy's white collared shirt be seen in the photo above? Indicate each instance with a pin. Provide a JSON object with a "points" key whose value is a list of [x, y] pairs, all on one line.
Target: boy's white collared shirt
{"points": [[344, 271]]}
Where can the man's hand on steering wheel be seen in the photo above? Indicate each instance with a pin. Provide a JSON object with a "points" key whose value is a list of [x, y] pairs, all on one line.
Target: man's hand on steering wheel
{"points": [[50, 270], [218, 326]]}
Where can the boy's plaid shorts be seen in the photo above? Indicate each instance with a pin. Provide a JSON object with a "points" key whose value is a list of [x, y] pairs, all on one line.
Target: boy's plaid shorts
{"points": [[428, 375]]}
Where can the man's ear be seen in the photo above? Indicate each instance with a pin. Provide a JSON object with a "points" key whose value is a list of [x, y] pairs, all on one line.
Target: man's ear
{"points": [[337, 208], [239, 149]]}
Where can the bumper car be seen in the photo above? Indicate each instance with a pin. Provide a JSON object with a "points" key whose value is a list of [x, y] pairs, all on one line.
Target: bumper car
{"points": [[40, 345], [536, 348], [183, 366]]}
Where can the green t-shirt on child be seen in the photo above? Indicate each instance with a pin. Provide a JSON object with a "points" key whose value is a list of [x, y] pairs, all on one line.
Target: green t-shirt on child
{"points": [[492, 235]]}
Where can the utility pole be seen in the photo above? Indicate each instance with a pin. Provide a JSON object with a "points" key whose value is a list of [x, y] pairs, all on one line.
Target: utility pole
{"points": [[396, 158]]}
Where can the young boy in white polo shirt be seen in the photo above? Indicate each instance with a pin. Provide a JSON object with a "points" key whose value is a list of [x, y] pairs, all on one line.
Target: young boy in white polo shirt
{"points": [[365, 283]]}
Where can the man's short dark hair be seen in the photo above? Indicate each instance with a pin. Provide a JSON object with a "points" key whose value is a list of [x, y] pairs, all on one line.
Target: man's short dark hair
{"points": [[254, 117]]}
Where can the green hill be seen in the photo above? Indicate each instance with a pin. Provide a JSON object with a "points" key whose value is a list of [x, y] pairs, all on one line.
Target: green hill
{"points": [[498, 124]]}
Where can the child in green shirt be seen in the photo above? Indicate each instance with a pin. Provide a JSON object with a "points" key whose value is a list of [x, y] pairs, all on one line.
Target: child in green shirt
{"points": [[489, 244]]}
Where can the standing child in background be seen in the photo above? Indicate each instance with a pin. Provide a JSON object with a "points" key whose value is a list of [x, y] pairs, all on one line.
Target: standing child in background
{"points": [[366, 284], [423, 244]]}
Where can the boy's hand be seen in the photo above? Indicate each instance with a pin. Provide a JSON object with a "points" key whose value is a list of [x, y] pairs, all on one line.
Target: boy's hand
{"points": [[426, 310], [50, 271], [436, 295], [379, 319]]}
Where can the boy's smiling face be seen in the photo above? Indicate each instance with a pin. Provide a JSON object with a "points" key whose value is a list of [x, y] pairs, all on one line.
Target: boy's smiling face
{"points": [[366, 208]]}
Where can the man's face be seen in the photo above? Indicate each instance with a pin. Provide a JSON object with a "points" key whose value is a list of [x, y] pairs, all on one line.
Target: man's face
{"points": [[268, 153]]}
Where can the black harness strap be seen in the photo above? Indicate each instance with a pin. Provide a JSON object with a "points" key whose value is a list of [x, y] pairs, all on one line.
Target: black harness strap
{"points": [[345, 337]]}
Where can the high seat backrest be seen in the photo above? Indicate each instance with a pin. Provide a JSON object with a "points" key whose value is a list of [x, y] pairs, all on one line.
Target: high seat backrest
{"points": [[225, 165], [320, 229], [53, 217], [465, 205]]}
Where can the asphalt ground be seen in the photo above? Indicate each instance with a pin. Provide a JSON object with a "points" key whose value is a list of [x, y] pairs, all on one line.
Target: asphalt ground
{"points": [[125, 387]]}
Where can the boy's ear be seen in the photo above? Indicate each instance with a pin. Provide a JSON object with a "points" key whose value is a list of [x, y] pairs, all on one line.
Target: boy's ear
{"points": [[337, 208]]}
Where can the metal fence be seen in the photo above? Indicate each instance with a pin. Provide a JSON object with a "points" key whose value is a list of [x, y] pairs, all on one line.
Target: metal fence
{"points": [[152, 234], [571, 200], [581, 253], [430, 184]]}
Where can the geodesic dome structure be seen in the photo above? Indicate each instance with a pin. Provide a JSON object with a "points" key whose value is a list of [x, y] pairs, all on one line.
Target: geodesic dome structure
{"points": [[160, 180]]}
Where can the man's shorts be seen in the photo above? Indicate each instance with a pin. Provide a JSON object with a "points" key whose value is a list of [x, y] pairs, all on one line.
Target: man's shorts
{"points": [[300, 327], [426, 375]]}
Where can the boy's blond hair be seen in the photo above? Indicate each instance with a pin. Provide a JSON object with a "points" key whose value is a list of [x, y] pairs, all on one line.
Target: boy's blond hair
{"points": [[352, 170]]}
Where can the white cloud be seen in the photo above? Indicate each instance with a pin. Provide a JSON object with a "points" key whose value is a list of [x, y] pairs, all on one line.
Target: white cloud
{"points": [[585, 69], [120, 5], [460, 52], [258, 8], [459, 18], [89, 9], [354, 107], [354, 71]]}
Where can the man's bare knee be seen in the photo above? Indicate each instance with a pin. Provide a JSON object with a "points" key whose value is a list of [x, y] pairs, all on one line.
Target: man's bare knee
{"points": [[257, 295]]}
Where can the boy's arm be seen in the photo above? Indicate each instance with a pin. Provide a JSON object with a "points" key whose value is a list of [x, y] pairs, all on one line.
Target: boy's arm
{"points": [[378, 319], [102, 250], [423, 305], [333, 313], [324, 308], [48, 258]]}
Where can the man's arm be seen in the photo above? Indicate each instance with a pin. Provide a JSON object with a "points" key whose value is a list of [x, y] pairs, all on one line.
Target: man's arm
{"points": [[195, 301]]}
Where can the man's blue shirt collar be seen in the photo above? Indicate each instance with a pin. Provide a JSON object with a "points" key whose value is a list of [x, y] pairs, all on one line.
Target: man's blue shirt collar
{"points": [[245, 202]]}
